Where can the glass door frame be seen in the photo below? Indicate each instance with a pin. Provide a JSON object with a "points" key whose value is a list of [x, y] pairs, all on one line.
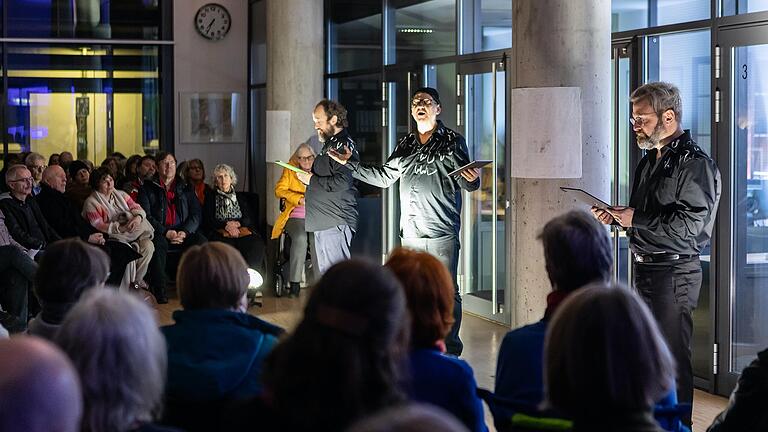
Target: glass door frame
{"points": [[727, 40]]}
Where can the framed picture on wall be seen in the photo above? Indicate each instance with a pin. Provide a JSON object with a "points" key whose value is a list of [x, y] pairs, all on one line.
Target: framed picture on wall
{"points": [[211, 117]]}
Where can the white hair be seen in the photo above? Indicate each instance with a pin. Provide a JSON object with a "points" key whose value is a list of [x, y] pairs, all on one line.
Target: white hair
{"points": [[227, 169], [121, 356]]}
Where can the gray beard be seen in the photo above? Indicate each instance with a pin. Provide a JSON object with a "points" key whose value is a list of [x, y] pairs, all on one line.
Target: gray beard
{"points": [[651, 141]]}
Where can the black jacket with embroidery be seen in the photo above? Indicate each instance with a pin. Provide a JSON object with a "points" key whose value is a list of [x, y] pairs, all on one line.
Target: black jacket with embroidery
{"points": [[430, 199], [331, 197], [675, 199]]}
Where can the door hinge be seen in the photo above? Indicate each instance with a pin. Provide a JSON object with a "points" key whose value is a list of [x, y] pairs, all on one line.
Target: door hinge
{"points": [[714, 359], [717, 105], [717, 61]]}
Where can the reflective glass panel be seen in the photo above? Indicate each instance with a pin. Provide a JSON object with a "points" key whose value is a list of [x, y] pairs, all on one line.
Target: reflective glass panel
{"points": [[495, 25], [733, 7], [355, 34], [620, 155], [424, 29], [628, 15], [679, 11], [749, 322], [258, 42], [97, 19]]}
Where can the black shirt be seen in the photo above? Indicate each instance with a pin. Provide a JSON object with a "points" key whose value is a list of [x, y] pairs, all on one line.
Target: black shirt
{"points": [[26, 223], [675, 199], [430, 199], [331, 197]]}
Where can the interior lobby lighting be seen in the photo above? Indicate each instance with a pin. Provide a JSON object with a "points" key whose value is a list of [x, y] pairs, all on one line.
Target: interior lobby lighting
{"points": [[414, 30]]}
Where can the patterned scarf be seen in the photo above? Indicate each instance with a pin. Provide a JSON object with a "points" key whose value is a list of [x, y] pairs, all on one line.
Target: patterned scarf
{"points": [[227, 208]]}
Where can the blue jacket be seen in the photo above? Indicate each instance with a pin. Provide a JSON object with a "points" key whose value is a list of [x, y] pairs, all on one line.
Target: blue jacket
{"points": [[216, 354], [153, 199], [519, 374], [447, 382]]}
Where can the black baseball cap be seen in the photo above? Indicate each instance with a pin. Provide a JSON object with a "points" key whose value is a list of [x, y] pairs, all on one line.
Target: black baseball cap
{"points": [[430, 91]]}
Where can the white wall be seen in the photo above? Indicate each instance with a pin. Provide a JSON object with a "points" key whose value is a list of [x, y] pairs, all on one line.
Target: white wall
{"points": [[201, 65]]}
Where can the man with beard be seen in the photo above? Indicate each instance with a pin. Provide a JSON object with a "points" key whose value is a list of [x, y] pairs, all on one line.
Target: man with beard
{"points": [[430, 199], [669, 219], [145, 171], [331, 197]]}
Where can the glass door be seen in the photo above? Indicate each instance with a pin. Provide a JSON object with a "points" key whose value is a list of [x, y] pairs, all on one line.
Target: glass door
{"points": [[481, 115], [742, 130]]}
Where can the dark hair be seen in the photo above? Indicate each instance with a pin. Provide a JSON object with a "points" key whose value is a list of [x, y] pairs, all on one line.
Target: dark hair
{"points": [[577, 250], [333, 108], [603, 353], [212, 276], [145, 157], [75, 166], [344, 360], [53, 159], [161, 155], [429, 293], [133, 160], [97, 176], [68, 268], [430, 91]]}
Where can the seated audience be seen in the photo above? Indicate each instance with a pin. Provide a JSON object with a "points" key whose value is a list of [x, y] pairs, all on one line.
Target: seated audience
{"points": [[194, 174], [35, 163], [746, 406], [291, 219], [17, 272], [113, 166], [577, 251], [116, 215], [53, 159], [436, 378], [215, 349], [23, 217], [39, 388], [345, 359], [174, 213], [145, 171], [410, 418], [78, 188], [65, 158], [228, 218], [114, 343], [68, 269], [130, 168], [605, 361], [9, 160]]}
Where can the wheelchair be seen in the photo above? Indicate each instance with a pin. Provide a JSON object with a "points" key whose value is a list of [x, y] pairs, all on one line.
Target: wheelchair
{"points": [[281, 271]]}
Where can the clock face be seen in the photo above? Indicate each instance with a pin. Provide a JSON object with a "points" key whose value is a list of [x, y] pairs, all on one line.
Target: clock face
{"points": [[212, 21]]}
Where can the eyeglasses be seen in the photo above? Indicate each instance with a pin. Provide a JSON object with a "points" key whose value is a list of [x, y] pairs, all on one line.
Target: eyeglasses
{"points": [[25, 179], [36, 167], [306, 158], [425, 102], [639, 120]]}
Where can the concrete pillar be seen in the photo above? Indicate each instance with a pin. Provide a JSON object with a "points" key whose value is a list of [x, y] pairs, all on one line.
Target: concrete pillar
{"points": [[559, 43], [295, 51]]}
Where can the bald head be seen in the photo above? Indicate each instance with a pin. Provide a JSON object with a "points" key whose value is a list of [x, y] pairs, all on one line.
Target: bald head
{"points": [[39, 388], [55, 177]]}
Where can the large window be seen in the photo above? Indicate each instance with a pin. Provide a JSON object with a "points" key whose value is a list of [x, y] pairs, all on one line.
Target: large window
{"points": [[424, 29], [638, 14], [733, 7], [354, 35]]}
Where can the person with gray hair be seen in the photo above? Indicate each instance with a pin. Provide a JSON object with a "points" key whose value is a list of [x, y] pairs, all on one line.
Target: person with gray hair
{"points": [[35, 162], [113, 340], [39, 388], [228, 217], [23, 217], [605, 361], [413, 417], [669, 219]]}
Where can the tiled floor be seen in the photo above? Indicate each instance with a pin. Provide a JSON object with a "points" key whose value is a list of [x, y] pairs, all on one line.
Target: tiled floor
{"points": [[481, 342]]}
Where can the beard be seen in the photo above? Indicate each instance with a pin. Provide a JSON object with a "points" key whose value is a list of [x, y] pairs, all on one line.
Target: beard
{"points": [[647, 142], [324, 134]]}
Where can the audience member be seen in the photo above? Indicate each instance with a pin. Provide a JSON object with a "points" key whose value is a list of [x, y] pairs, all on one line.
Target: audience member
{"points": [[216, 350], [130, 167], [35, 163], [345, 359], [39, 388], [17, 271], [605, 361], [65, 158], [577, 251], [194, 174], [436, 378], [9, 160], [291, 219], [145, 171], [746, 407], [414, 417], [53, 159], [113, 166], [78, 189], [23, 217], [115, 214], [174, 213], [119, 353], [228, 218], [68, 268]]}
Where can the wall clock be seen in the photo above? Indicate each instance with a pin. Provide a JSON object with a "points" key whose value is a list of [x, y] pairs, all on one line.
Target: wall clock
{"points": [[212, 21]]}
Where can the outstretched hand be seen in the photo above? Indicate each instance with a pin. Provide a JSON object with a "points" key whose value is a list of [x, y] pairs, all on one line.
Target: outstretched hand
{"points": [[340, 157]]}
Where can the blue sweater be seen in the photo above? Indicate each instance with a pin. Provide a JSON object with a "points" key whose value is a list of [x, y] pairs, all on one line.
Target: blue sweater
{"points": [[216, 354], [519, 374], [447, 382]]}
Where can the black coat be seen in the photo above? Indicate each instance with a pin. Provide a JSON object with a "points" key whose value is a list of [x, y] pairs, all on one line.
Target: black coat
{"points": [[26, 222], [746, 408], [62, 215], [210, 224], [152, 198]]}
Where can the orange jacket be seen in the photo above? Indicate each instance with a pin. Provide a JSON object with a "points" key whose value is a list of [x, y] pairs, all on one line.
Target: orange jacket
{"points": [[290, 188]]}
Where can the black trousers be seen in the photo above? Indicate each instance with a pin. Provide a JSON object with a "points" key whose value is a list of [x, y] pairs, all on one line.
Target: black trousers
{"points": [[671, 291], [17, 271], [250, 247], [158, 278], [446, 249]]}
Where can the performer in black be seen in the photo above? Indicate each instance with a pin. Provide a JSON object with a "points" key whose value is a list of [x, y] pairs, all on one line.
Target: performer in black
{"points": [[669, 219], [430, 199]]}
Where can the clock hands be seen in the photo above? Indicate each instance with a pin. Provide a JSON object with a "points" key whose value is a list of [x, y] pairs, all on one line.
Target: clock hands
{"points": [[208, 28]]}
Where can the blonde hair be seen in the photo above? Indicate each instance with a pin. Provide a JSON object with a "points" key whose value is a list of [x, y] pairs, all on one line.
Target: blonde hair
{"points": [[212, 276]]}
